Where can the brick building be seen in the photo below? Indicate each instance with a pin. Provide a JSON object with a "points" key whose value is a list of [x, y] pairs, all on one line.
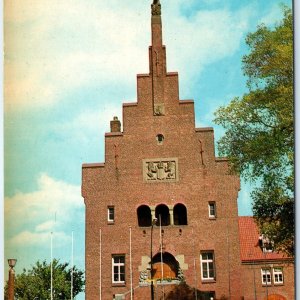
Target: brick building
{"points": [[265, 274], [160, 194]]}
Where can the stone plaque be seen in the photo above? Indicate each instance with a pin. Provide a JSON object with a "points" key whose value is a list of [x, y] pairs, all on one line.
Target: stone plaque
{"points": [[160, 170], [159, 109]]}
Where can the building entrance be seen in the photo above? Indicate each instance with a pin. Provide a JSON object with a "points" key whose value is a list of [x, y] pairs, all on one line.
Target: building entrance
{"points": [[165, 268]]}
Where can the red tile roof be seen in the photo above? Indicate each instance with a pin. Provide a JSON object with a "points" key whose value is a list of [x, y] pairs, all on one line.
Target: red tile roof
{"points": [[249, 247]]}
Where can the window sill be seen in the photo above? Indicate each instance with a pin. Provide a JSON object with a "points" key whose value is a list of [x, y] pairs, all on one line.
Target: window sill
{"points": [[110, 222], [212, 218], [279, 284], [118, 284], [208, 281]]}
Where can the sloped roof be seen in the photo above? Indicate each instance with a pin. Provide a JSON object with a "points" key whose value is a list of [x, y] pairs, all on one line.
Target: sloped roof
{"points": [[249, 247]]}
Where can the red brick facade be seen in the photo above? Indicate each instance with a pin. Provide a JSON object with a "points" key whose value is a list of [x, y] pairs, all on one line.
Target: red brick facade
{"points": [[161, 166], [254, 260]]}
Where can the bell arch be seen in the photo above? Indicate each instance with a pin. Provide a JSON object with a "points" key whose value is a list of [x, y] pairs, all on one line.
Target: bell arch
{"points": [[162, 211], [180, 214], [144, 216]]}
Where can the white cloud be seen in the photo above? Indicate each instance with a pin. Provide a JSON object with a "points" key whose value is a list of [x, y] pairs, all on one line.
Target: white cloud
{"points": [[30, 217], [89, 125], [273, 16], [40, 239], [206, 38], [46, 226], [53, 46]]}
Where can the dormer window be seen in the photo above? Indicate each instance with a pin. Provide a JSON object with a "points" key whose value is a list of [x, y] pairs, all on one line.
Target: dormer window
{"points": [[265, 243]]}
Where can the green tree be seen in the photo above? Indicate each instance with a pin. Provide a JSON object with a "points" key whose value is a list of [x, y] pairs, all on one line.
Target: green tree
{"points": [[259, 130], [36, 282]]}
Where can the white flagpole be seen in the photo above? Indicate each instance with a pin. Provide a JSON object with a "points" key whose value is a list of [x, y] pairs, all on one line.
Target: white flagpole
{"points": [[195, 270], [130, 258], [72, 266], [161, 257], [51, 269], [100, 264]]}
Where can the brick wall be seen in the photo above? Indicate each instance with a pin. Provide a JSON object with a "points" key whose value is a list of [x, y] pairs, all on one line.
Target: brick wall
{"points": [[252, 280]]}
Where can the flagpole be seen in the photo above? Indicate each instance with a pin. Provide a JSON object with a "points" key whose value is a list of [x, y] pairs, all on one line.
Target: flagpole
{"points": [[161, 258], [51, 268], [72, 266], [195, 270], [130, 258], [100, 264]]}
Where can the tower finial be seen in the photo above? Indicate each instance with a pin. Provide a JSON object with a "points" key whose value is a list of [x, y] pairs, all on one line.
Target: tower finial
{"points": [[156, 8]]}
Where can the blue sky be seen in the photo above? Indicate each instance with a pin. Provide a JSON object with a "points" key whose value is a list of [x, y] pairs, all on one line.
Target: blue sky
{"points": [[69, 66]]}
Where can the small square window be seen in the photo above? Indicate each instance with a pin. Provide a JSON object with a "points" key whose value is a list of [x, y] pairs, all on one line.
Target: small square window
{"points": [[110, 214], [266, 276], [212, 210], [278, 275]]}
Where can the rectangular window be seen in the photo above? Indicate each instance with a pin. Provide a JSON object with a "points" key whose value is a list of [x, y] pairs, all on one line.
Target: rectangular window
{"points": [[278, 275], [110, 214], [212, 210], [207, 265], [118, 268], [266, 276]]}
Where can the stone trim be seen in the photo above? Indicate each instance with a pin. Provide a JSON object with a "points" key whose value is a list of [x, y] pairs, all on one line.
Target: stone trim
{"points": [[109, 134], [93, 165], [203, 129], [160, 170], [130, 104], [188, 101], [219, 159]]}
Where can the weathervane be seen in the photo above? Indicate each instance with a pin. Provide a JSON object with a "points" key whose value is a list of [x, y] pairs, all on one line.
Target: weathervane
{"points": [[155, 7]]}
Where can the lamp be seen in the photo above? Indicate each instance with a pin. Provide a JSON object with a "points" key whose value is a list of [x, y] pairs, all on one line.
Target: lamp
{"points": [[12, 262], [11, 278]]}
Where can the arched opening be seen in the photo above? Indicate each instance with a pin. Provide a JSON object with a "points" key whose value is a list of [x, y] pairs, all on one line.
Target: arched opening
{"points": [[167, 268], [162, 212], [180, 214], [144, 216], [160, 138]]}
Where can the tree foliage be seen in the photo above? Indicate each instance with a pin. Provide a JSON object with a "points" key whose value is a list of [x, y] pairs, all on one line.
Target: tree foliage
{"points": [[259, 136], [35, 283]]}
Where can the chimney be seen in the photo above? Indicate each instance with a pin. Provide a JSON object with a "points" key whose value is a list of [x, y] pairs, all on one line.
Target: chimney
{"points": [[115, 125]]}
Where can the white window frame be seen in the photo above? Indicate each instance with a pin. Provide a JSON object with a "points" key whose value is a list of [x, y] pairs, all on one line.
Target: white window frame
{"points": [[118, 265], [212, 204], [109, 210], [277, 272], [266, 278], [208, 265]]}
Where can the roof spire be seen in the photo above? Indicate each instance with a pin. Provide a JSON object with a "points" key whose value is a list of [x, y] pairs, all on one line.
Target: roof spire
{"points": [[155, 8], [157, 59]]}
